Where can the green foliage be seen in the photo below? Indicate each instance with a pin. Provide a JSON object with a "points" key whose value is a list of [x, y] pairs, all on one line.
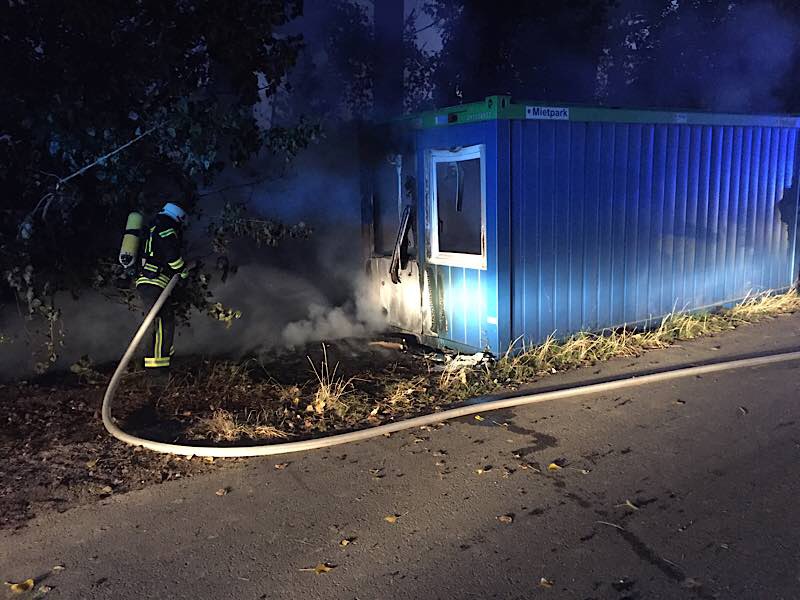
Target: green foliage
{"points": [[351, 52], [110, 107], [234, 222]]}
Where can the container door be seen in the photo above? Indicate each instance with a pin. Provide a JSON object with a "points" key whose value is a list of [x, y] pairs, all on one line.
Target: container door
{"points": [[460, 276]]}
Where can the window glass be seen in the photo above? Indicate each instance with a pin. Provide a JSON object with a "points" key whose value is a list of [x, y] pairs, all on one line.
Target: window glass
{"points": [[458, 204]]}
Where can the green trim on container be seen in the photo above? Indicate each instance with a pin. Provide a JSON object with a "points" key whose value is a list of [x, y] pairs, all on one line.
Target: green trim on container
{"points": [[501, 107]]}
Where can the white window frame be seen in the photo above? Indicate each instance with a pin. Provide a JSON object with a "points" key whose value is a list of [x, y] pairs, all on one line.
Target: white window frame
{"points": [[455, 259]]}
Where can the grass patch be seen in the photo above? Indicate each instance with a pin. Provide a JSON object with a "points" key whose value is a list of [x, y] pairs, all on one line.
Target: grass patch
{"points": [[227, 401], [225, 426], [331, 389], [522, 363]]}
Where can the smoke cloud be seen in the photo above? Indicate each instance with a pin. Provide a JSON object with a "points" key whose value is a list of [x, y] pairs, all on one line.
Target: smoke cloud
{"points": [[358, 318], [302, 290]]}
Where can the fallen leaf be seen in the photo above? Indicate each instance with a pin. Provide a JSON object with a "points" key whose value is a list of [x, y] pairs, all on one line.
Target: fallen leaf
{"points": [[347, 541], [107, 489], [222, 491], [281, 466], [91, 464], [628, 504], [554, 467], [42, 590], [479, 418], [546, 583], [391, 518], [320, 568], [506, 519], [21, 587], [58, 568]]}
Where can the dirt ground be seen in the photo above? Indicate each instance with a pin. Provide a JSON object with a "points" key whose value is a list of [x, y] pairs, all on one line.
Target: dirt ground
{"points": [[56, 453]]}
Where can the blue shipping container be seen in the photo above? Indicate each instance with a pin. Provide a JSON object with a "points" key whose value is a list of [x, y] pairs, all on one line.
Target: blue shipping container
{"points": [[534, 220]]}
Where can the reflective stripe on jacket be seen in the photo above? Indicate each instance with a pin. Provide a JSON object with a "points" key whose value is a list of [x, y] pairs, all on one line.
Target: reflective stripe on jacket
{"points": [[162, 253]]}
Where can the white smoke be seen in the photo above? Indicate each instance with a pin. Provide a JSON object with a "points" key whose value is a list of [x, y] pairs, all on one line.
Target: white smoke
{"points": [[360, 318]]}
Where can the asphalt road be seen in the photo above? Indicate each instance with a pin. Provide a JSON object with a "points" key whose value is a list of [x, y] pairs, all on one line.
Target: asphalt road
{"points": [[683, 490]]}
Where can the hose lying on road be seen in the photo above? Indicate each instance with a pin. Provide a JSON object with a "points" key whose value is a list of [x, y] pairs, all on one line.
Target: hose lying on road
{"points": [[364, 434]]}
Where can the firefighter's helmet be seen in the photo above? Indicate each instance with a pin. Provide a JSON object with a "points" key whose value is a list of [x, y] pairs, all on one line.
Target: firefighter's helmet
{"points": [[175, 212]]}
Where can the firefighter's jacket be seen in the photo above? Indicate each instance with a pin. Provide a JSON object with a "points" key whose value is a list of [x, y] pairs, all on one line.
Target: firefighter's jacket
{"points": [[162, 257]]}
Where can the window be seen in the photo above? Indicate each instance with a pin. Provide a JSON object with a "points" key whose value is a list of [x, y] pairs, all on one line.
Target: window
{"points": [[457, 207]]}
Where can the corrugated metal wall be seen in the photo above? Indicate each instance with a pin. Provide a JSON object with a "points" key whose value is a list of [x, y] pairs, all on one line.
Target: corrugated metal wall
{"points": [[618, 223]]}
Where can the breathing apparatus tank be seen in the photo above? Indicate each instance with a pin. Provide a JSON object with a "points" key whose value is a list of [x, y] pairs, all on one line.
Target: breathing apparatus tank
{"points": [[129, 250]]}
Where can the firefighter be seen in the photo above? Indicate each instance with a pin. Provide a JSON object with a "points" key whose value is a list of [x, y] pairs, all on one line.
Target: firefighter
{"points": [[161, 260]]}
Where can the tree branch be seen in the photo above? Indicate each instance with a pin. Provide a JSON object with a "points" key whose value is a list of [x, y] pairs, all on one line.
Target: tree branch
{"points": [[48, 198], [85, 168], [433, 23], [234, 186]]}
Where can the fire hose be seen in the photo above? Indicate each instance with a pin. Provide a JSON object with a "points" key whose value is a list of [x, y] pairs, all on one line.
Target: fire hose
{"points": [[377, 431]]}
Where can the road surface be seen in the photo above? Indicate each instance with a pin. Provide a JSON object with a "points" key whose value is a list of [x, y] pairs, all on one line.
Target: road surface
{"points": [[683, 490]]}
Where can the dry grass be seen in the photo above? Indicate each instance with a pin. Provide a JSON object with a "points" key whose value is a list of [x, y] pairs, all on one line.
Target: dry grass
{"points": [[229, 401], [757, 307], [522, 363], [236, 383], [404, 394], [458, 381], [332, 389], [226, 426]]}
